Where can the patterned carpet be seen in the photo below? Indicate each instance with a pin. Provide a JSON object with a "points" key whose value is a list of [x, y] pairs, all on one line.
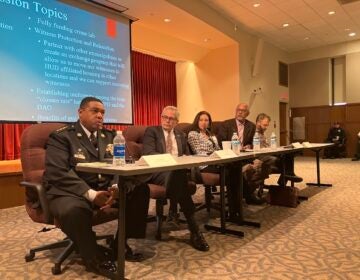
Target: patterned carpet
{"points": [[320, 239]]}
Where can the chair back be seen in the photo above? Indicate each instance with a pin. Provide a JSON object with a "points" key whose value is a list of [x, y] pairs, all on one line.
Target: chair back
{"points": [[33, 148], [134, 136]]}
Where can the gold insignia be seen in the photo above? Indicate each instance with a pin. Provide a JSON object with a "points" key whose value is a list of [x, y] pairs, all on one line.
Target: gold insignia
{"points": [[79, 135], [61, 128], [79, 154], [102, 135], [110, 149]]}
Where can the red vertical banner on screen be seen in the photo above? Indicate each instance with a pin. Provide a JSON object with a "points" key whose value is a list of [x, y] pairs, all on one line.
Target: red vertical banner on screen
{"points": [[111, 28]]}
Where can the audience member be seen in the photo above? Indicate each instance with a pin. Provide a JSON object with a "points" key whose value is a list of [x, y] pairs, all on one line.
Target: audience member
{"points": [[73, 195], [167, 139], [357, 154], [337, 136]]}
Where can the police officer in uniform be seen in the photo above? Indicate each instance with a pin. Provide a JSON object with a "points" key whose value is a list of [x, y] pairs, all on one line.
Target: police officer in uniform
{"points": [[73, 195]]}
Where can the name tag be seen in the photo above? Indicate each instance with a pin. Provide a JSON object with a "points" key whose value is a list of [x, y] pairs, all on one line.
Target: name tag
{"points": [[157, 160], [223, 154]]}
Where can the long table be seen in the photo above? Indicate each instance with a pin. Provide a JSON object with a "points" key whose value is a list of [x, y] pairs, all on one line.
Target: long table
{"points": [[122, 173]]}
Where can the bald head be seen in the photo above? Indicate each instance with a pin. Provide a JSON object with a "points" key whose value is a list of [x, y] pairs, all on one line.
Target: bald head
{"points": [[241, 111]]}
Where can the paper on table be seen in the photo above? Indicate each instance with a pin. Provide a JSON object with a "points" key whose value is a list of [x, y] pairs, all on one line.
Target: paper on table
{"points": [[157, 160], [223, 154]]}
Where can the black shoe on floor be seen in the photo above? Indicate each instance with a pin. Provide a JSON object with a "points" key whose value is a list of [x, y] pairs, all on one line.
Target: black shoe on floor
{"points": [[235, 218], [293, 178], [255, 200], [104, 268], [198, 241], [130, 256]]}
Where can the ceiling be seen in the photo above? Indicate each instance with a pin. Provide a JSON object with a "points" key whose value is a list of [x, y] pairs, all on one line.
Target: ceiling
{"points": [[310, 25], [182, 25]]}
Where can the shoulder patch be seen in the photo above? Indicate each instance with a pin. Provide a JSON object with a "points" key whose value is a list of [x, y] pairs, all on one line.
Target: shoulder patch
{"points": [[65, 127]]}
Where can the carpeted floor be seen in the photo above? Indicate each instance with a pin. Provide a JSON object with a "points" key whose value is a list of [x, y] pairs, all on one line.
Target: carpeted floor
{"points": [[320, 239]]}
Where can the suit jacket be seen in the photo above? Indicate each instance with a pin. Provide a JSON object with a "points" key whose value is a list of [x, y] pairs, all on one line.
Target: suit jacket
{"points": [[154, 141], [228, 127], [65, 148]]}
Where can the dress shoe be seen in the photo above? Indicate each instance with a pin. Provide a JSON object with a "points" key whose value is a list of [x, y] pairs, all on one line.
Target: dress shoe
{"points": [[293, 178], [198, 241], [355, 159], [253, 199], [104, 268], [235, 218], [130, 256]]}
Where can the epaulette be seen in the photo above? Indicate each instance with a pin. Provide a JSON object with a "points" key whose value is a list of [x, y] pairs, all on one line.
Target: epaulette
{"points": [[65, 127]]}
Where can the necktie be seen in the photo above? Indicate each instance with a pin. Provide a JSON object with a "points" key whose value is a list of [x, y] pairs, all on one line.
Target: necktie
{"points": [[93, 140], [169, 143]]}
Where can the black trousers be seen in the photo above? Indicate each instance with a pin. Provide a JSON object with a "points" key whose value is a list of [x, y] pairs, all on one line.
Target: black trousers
{"points": [[75, 217], [176, 184]]}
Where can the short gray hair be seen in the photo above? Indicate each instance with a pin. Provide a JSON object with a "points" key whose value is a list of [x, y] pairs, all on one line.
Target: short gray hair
{"points": [[174, 109], [262, 116]]}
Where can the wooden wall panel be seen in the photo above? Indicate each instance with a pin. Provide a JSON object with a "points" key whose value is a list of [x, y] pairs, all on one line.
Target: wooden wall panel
{"points": [[318, 120], [352, 113]]}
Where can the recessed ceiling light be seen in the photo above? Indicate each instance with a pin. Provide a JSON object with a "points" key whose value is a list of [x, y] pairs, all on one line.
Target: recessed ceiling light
{"points": [[352, 34], [206, 40], [256, 5], [331, 13], [347, 29], [306, 38], [167, 20], [285, 25]]}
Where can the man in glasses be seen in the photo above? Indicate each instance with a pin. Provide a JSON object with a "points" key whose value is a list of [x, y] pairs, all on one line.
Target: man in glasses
{"points": [[167, 139], [74, 195]]}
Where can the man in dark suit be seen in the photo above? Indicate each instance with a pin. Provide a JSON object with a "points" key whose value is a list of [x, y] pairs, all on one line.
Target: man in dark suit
{"points": [[73, 195], [166, 139], [245, 130], [337, 136]]}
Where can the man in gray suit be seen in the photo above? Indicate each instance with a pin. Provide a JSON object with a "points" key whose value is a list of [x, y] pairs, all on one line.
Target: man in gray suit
{"points": [[167, 139]]}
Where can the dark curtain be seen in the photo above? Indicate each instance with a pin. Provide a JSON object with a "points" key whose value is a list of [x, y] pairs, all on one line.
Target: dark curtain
{"points": [[154, 87]]}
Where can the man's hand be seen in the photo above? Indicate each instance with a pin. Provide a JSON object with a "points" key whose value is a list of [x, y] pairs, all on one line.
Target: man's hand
{"points": [[114, 193], [101, 198]]}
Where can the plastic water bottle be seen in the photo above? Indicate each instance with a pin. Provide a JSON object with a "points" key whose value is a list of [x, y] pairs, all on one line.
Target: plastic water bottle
{"points": [[273, 143], [119, 149], [235, 143], [256, 142]]}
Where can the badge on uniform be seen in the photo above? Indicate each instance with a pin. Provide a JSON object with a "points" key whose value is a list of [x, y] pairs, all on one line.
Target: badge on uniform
{"points": [[110, 149], [79, 154], [102, 135], [79, 135]]}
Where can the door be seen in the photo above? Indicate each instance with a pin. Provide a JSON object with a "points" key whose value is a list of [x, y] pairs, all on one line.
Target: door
{"points": [[284, 136]]}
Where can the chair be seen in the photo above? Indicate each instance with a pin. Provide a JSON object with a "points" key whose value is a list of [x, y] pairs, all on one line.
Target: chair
{"points": [[33, 142], [134, 143]]}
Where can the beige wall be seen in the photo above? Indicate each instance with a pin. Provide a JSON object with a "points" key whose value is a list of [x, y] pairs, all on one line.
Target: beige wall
{"points": [[352, 78], [310, 83], [267, 79], [211, 84]]}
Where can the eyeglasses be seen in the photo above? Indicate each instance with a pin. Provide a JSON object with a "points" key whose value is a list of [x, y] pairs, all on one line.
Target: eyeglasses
{"points": [[166, 118]]}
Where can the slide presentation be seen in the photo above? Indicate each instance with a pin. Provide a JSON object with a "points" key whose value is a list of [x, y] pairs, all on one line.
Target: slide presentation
{"points": [[53, 54]]}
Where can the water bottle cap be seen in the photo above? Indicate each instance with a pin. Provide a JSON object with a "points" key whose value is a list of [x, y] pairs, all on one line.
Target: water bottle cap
{"points": [[118, 132]]}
